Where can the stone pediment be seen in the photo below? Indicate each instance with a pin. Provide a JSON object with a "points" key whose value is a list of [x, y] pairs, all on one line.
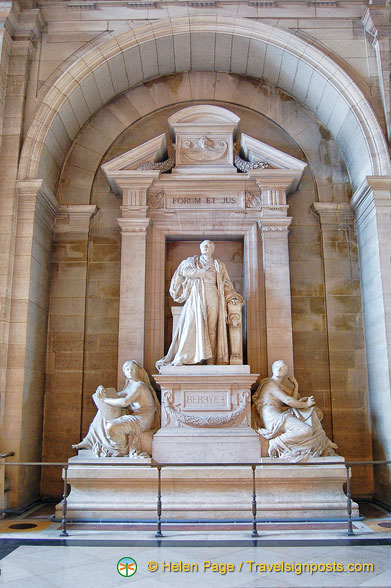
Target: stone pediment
{"points": [[127, 164], [209, 154], [255, 150]]}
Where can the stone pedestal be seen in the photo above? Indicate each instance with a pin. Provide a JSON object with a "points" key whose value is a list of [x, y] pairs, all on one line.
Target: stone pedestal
{"points": [[206, 415], [129, 492]]}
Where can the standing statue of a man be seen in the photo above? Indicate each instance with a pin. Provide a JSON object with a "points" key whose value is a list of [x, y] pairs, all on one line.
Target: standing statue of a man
{"points": [[202, 282]]}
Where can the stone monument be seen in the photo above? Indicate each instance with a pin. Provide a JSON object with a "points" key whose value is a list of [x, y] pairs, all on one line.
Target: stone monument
{"points": [[206, 402], [205, 388]]}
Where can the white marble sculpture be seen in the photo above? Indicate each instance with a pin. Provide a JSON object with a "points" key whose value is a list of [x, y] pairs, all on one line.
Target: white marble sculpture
{"points": [[123, 418], [291, 424], [202, 282]]}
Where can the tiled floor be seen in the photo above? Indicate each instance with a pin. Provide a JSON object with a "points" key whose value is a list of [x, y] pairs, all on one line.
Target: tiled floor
{"points": [[89, 557]]}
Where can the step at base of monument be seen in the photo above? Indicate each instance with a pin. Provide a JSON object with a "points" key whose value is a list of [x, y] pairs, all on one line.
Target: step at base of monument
{"points": [[129, 492]]}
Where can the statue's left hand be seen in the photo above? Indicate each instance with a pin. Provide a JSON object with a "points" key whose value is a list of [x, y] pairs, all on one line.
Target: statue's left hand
{"points": [[100, 391], [233, 301], [293, 380]]}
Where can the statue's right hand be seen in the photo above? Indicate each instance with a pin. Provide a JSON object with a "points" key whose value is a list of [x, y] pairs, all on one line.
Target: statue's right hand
{"points": [[311, 401], [201, 273]]}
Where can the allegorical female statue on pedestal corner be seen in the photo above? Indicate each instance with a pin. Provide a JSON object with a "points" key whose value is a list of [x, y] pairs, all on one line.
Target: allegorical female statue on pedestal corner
{"points": [[291, 424], [126, 420]]}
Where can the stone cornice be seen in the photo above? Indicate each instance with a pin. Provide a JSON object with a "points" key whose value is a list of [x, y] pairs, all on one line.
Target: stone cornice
{"points": [[38, 201], [25, 25], [333, 213], [75, 218]]}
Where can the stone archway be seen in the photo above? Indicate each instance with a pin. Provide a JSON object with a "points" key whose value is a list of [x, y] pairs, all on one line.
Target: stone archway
{"points": [[232, 45], [250, 49]]}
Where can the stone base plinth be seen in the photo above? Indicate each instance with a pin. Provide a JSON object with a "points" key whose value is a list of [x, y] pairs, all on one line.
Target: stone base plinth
{"points": [[206, 415], [129, 492], [209, 446]]}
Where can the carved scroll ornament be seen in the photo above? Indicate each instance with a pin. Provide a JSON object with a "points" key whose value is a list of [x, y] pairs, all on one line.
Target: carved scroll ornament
{"points": [[205, 149]]}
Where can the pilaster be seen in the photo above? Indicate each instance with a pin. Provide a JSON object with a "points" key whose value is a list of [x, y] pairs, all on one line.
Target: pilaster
{"points": [[131, 338], [21, 28], [372, 208], [37, 208], [346, 347], [274, 224], [377, 23], [66, 337], [277, 290]]}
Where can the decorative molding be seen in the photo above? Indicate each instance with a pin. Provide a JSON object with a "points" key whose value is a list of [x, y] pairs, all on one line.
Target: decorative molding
{"points": [[204, 149], [253, 200], [155, 201], [141, 4], [134, 225], [208, 421], [274, 228], [81, 6], [201, 4], [327, 3], [263, 3], [274, 225], [162, 166], [245, 166]]}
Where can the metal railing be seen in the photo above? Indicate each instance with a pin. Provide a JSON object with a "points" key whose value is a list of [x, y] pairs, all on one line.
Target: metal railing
{"points": [[159, 466]]}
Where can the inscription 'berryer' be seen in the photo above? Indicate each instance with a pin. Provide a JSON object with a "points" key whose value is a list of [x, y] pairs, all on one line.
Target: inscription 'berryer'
{"points": [[215, 400]]}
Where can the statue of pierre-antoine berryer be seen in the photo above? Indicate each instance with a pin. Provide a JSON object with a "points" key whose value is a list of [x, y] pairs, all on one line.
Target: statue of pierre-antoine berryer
{"points": [[203, 283]]}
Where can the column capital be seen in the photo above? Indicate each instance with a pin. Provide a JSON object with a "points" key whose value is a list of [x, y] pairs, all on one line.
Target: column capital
{"points": [[333, 214], [274, 225], [134, 225], [275, 184], [374, 192], [75, 218], [36, 199]]}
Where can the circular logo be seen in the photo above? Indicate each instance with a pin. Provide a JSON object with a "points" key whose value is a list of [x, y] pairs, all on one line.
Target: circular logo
{"points": [[127, 567]]}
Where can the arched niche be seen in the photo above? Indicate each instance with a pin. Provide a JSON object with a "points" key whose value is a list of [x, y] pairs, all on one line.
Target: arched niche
{"points": [[237, 46]]}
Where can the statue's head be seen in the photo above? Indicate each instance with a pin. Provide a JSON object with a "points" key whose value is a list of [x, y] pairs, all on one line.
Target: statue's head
{"points": [[279, 368], [130, 370], [207, 247]]}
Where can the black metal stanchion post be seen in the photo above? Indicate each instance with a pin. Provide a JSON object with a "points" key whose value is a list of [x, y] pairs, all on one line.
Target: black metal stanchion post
{"points": [[254, 505], [159, 503], [64, 532], [349, 501]]}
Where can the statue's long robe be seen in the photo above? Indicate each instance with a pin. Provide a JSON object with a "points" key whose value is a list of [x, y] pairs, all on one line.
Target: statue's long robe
{"points": [[190, 342]]}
